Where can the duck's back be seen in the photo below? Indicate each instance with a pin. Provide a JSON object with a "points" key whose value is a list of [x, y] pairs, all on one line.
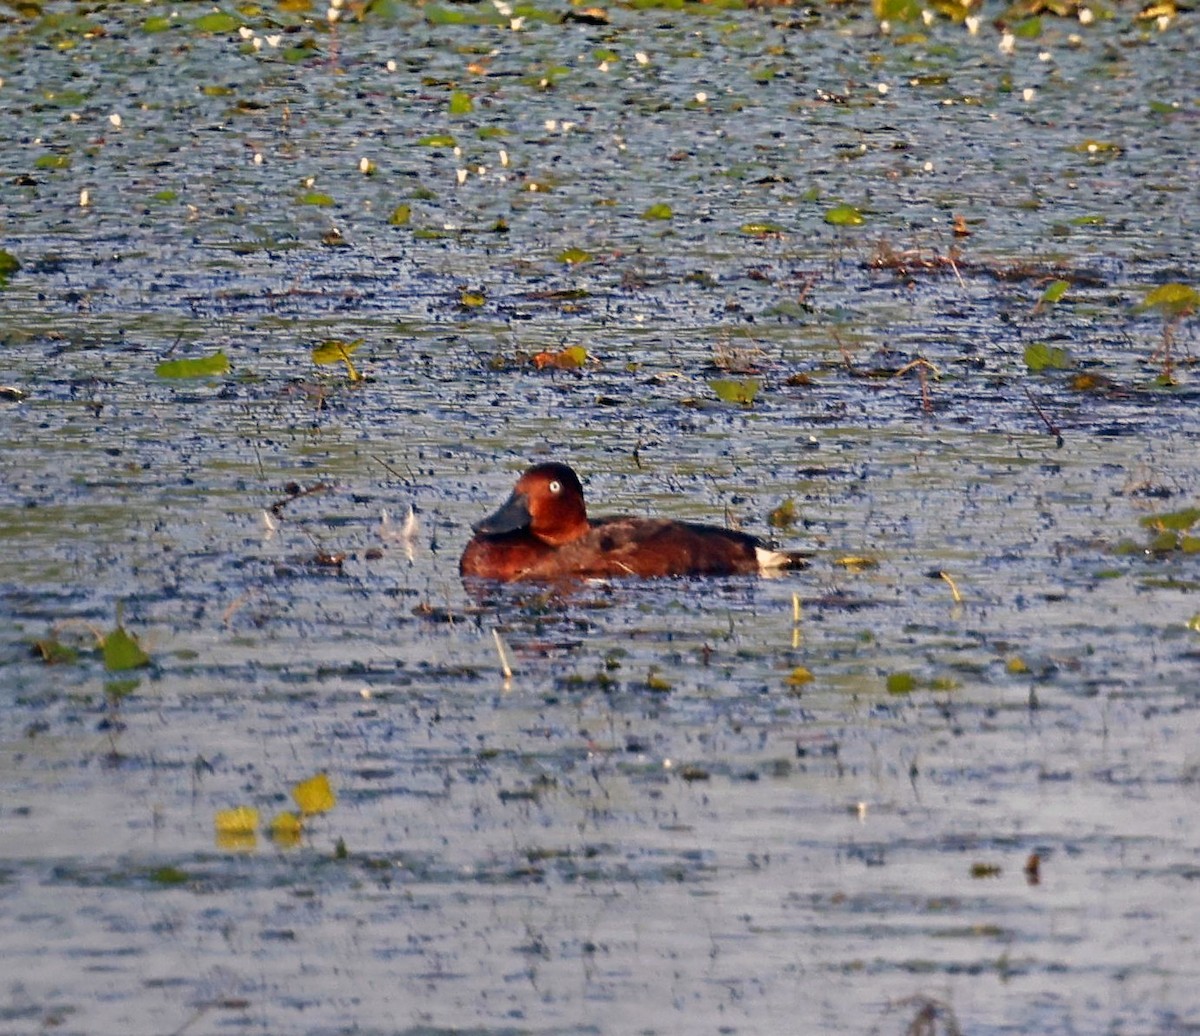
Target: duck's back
{"points": [[650, 548]]}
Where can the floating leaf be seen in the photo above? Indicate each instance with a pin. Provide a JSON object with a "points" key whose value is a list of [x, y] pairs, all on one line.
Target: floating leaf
{"points": [[122, 652], [8, 266], [901, 683], [240, 820], [1016, 666], [334, 350], [301, 52], [156, 23], [844, 216], [168, 876], [461, 103], [574, 256], [471, 299], [1039, 357], [800, 676], [457, 15], [897, 10], [1055, 291], [659, 210], [217, 22], [985, 870], [438, 140], [400, 216], [54, 652], [1171, 300], [655, 681], [286, 828], [784, 516], [762, 229], [571, 358], [314, 795], [1097, 148], [1174, 520], [52, 161], [856, 562], [318, 198], [1194, 623], [1029, 29], [736, 390], [200, 367]]}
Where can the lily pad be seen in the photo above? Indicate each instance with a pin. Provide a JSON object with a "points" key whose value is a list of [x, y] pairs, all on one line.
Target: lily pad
{"points": [[122, 652], [1055, 291], [314, 795], [1039, 357], [574, 256], [736, 390], [200, 367], [762, 229], [845, 216], [8, 266], [1171, 300], [218, 22], [901, 683]]}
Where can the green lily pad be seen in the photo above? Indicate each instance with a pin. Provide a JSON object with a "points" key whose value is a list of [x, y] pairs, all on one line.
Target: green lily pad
{"points": [[8, 266], [334, 350], [218, 22], [1040, 357], [574, 256], [736, 390], [762, 228], [122, 651], [845, 216], [659, 210], [1171, 300], [1176, 521], [1055, 291], [200, 367]]}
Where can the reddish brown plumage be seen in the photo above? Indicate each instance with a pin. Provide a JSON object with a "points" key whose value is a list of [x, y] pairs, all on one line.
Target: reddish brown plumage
{"points": [[542, 534]]}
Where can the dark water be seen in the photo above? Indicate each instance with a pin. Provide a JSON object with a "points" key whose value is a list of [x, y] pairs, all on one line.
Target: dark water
{"points": [[654, 826]]}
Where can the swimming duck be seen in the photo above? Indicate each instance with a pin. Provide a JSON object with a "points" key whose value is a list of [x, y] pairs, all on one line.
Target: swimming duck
{"points": [[542, 533]]}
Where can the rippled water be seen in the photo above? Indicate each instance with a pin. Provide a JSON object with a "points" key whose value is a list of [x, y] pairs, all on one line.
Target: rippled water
{"points": [[655, 826]]}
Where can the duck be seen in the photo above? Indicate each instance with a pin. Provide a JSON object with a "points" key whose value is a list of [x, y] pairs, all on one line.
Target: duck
{"points": [[542, 533]]}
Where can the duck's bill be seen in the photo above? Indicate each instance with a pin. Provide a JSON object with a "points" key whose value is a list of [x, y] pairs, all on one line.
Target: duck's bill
{"points": [[512, 516]]}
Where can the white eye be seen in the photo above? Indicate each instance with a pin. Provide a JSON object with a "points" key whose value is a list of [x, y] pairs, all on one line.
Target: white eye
{"points": [[555, 486]]}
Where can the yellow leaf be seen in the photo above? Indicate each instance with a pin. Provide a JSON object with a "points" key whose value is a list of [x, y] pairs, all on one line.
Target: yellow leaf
{"points": [[856, 563], [314, 795], [1016, 665], [286, 829], [571, 358], [240, 820], [799, 676], [335, 351]]}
